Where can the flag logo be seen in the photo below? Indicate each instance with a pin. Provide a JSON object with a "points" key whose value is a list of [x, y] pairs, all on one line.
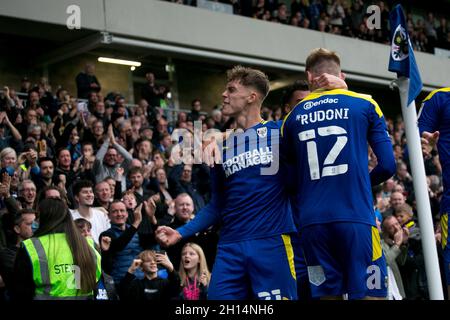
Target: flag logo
{"points": [[400, 45]]}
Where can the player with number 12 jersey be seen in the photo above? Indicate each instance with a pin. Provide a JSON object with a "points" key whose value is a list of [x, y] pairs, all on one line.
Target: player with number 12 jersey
{"points": [[326, 139], [327, 135]]}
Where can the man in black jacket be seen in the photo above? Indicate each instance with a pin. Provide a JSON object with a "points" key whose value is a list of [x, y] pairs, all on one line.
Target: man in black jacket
{"points": [[87, 82], [17, 228], [125, 242], [150, 92]]}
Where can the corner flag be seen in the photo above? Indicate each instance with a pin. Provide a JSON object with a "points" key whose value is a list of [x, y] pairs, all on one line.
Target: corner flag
{"points": [[402, 58], [402, 61]]}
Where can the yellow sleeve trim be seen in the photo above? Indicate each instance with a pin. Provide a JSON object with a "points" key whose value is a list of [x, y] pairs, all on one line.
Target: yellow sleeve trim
{"points": [[432, 93]]}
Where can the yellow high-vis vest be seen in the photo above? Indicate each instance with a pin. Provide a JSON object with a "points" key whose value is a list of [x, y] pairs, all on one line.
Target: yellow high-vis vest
{"points": [[54, 273]]}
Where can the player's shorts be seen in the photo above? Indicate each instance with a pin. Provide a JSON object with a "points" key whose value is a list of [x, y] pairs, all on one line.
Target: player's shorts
{"points": [[446, 256], [345, 258], [254, 269], [445, 246], [303, 288]]}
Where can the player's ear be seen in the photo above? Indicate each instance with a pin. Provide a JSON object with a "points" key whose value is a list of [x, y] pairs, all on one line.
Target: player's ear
{"points": [[342, 75], [252, 97], [309, 77]]}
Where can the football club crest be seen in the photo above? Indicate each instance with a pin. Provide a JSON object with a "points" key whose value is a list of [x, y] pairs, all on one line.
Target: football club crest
{"points": [[262, 132], [316, 275], [400, 44]]}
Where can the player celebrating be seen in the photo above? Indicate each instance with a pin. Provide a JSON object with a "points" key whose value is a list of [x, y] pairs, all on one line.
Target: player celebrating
{"points": [[326, 136], [254, 256], [434, 125]]}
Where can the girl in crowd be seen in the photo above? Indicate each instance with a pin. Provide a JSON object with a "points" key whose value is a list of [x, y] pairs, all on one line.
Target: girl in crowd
{"points": [[194, 273]]}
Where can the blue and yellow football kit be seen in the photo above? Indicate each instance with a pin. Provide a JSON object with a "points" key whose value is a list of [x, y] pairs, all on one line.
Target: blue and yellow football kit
{"points": [[254, 257], [326, 138], [435, 116]]}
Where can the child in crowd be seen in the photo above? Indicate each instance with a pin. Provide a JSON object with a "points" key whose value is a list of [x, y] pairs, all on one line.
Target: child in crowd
{"points": [[151, 287], [194, 273], [85, 227], [404, 215], [129, 198]]}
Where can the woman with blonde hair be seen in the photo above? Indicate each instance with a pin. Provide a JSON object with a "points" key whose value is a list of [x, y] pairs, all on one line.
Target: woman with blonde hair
{"points": [[194, 273]]}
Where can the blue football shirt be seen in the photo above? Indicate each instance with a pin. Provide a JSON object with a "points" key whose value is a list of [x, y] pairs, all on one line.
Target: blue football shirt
{"points": [[326, 138], [249, 194], [435, 116]]}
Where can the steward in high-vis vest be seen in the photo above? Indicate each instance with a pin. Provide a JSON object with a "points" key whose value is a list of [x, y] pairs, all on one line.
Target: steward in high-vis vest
{"points": [[58, 263], [54, 272]]}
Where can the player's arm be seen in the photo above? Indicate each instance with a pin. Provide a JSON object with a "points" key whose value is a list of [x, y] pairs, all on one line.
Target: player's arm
{"points": [[386, 165], [428, 123], [208, 215], [381, 145]]}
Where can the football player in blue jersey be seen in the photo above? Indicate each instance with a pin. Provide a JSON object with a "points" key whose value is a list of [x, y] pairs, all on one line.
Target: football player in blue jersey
{"points": [[434, 126], [326, 137], [254, 255], [292, 95]]}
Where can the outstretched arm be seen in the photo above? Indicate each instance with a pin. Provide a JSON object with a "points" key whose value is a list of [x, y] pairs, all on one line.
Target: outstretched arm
{"points": [[207, 217]]}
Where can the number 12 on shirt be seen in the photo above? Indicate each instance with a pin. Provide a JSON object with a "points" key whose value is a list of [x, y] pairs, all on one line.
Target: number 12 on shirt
{"points": [[329, 169]]}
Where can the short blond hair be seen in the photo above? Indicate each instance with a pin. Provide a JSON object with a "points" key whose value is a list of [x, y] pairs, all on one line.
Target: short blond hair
{"points": [[404, 208], [321, 60], [147, 255], [249, 77]]}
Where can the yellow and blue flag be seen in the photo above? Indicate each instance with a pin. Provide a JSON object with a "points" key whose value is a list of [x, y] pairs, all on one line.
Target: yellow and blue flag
{"points": [[402, 58]]}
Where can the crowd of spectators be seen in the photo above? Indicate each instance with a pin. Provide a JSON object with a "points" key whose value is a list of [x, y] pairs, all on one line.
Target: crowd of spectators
{"points": [[115, 167], [395, 206], [105, 159], [344, 17]]}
